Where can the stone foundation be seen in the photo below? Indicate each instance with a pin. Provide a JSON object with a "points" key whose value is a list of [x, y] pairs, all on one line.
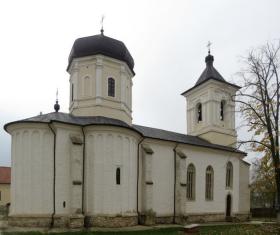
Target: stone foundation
{"points": [[241, 217], [212, 217], [79, 221], [29, 221], [164, 220], [111, 221], [59, 221], [205, 217]]}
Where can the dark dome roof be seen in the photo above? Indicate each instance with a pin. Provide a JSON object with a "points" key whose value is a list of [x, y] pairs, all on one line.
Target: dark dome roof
{"points": [[101, 44]]}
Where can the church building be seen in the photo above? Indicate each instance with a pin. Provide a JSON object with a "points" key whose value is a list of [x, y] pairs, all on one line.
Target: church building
{"points": [[92, 167]]}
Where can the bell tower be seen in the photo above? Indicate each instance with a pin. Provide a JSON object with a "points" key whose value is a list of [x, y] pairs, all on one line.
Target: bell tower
{"points": [[210, 107], [101, 72]]}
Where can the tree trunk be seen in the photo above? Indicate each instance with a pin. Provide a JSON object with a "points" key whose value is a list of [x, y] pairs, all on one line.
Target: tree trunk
{"points": [[277, 176]]}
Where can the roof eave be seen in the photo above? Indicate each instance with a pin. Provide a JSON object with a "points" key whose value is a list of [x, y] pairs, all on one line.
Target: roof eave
{"points": [[195, 86]]}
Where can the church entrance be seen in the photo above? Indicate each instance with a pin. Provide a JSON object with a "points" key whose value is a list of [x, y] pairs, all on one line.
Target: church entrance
{"points": [[228, 208]]}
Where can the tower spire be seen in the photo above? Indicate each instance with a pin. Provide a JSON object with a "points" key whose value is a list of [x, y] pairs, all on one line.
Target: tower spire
{"points": [[56, 106]]}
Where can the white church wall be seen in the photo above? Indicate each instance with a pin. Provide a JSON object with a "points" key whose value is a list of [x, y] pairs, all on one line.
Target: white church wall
{"points": [[32, 169], [163, 180], [66, 199], [201, 158], [109, 148], [244, 190], [162, 177]]}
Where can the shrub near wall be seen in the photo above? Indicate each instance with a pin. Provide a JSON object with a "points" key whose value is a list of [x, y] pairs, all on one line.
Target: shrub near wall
{"points": [[4, 210], [263, 212]]}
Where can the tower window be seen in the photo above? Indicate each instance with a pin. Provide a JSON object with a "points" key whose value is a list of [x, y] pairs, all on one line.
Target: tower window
{"points": [[229, 175], [199, 112], [191, 182], [86, 86], [222, 110], [72, 92], [111, 87], [118, 176], [209, 183]]}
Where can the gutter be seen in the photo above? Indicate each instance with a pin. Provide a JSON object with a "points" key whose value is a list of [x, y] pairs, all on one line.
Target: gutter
{"points": [[83, 170], [175, 173], [137, 184], [54, 174]]}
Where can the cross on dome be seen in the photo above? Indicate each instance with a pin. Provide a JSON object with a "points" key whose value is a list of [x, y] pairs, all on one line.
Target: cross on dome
{"points": [[101, 22], [209, 46]]}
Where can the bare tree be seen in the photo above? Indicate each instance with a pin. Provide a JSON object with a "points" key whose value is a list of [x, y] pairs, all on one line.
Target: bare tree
{"points": [[259, 103]]}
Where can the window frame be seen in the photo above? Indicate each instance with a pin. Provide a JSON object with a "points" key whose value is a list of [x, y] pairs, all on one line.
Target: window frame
{"points": [[229, 175], [191, 180], [199, 112], [209, 183], [222, 110], [72, 92], [118, 176], [111, 85]]}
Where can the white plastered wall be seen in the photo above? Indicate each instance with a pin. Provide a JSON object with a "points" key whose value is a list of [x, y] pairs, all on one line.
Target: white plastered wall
{"points": [[108, 148], [201, 158], [162, 177], [244, 190], [67, 201], [90, 95], [210, 94], [32, 169], [163, 180]]}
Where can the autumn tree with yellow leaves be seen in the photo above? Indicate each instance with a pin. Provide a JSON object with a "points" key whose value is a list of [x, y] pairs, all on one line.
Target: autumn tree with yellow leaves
{"points": [[259, 104]]}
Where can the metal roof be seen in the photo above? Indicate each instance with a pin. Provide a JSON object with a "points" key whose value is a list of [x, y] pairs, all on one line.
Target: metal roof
{"points": [[101, 44], [210, 73], [147, 132]]}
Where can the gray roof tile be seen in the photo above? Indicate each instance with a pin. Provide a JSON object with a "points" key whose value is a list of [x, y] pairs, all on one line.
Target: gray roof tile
{"points": [[147, 132]]}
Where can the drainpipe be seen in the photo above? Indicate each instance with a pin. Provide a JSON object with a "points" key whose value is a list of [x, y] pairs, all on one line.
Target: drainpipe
{"points": [[83, 170], [175, 172], [137, 189], [54, 174]]}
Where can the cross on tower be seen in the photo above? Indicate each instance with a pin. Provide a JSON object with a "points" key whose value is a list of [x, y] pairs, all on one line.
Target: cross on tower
{"points": [[209, 45], [57, 94], [101, 22]]}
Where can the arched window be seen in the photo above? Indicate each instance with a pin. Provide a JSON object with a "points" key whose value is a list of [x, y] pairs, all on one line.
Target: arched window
{"points": [[222, 110], [87, 86], [199, 112], [111, 87], [191, 182], [72, 92], [229, 175], [209, 183], [118, 176]]}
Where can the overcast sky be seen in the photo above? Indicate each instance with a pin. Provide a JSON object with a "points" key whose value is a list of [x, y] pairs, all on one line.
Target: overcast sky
{"points": [[167, 40]]}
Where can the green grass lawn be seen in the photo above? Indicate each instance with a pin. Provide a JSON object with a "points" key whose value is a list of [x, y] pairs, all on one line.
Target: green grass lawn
{"points": [[262, 229], [265, 229]]}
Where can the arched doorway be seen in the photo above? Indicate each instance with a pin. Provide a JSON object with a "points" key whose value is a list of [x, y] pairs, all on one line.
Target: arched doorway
{"points": [[228, 208]]}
